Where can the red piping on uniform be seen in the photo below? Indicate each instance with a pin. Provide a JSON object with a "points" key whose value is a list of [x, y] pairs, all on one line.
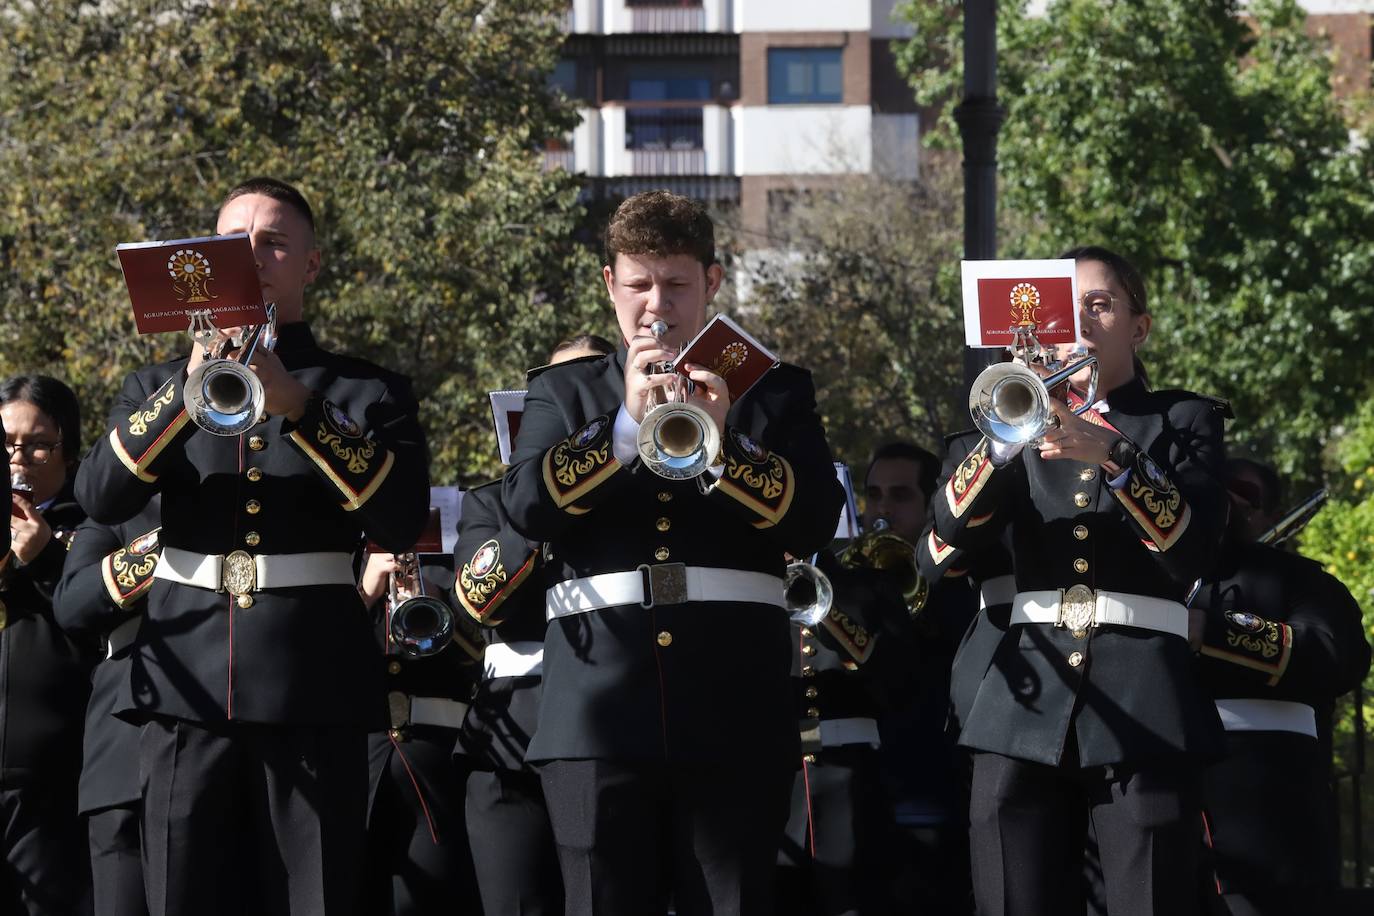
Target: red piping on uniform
{"points": [[433, 834], [1207, 838], [662, 687]]}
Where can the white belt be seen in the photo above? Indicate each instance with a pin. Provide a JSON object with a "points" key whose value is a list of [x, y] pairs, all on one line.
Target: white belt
{"points": [[438, 711], [1253, 715], [122, 636], [243, 572], [1091, 608], [839, 732], [667, 583], [995, 591], [514, 659]]}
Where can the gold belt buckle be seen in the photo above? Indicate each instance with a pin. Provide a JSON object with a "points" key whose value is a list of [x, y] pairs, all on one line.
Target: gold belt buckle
{"points": [[1078, 610], [239, 577]]}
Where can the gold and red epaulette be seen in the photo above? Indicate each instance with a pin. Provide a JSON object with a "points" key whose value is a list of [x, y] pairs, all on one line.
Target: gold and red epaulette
{"points": [[969, 478], [856, 641], [580, 463], [1156, 504], [760, 480], [1250, 641], [484, 582], [128, 571], [334, 442], [138, 440]]}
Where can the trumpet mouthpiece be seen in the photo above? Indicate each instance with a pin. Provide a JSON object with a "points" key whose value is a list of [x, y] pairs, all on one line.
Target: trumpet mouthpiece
{"points": [[659, 328]]}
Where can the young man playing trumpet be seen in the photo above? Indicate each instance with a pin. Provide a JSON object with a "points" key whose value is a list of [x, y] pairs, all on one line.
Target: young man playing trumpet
{"points": [[666, 736], [255, 675]]}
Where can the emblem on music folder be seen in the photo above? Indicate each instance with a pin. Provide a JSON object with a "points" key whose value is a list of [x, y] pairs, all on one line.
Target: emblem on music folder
{"points": [[1025, 304], [191, 275], [730, 359]]}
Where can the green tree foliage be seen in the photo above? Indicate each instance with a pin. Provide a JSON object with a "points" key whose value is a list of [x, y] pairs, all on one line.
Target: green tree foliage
{"points": [[1210, 151], [865, 295], [412, 125]]}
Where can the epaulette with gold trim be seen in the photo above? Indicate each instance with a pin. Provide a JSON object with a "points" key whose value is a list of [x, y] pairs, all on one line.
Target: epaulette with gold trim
{"points": [[138, 440], [335, 443], [128, 571], [758, 479], [581, 463], [1156, 504], [1249, 641], [969, 478], [483, 583], [856, 641]]}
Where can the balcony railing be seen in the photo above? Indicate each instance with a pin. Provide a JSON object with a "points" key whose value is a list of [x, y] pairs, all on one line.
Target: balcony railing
{"points": [[564, 159], [664, 16], [668, 161]]}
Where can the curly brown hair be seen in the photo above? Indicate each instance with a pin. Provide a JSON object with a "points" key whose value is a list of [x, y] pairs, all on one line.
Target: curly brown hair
{"points": [[661, 223]]}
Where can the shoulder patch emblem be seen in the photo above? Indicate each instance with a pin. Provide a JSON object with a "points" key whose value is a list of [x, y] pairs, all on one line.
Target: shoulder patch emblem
{"points": [[757, 453], [1152, 473], [589, 433], [144, 542], [1247, 622], [485, 559], [343, 424]]}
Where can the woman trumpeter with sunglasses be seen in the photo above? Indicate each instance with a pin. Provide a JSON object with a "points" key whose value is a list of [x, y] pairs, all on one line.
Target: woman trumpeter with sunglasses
{"points": [[1090, 712], [44, 675]]}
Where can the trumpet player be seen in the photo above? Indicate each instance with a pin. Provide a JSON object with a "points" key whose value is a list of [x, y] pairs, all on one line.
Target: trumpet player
{"points": [[666, 739], [419, 860], [1282, 640], [1092, 708], [254, 674]]}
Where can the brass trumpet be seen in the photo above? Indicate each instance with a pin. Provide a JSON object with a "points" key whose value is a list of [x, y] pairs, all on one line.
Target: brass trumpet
{"points": [[418, 624], [810, 594], [223, 396], [676, 440]]}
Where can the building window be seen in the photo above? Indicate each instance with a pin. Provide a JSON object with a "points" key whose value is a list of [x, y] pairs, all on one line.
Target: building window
{"points": [[805, 76], [564, 77], [663, 129], [668, 81]]}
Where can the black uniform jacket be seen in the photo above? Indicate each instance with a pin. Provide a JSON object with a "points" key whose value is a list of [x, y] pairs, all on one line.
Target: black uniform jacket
{"points": [[1129, 694], [693, 682], [355, 464], [105, 583], [1279, 627], [44, 673], [500, 584]]}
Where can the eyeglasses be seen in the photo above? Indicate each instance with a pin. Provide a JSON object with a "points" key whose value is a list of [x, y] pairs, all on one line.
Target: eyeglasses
{"points": [[33, 452], [1098, 303]]}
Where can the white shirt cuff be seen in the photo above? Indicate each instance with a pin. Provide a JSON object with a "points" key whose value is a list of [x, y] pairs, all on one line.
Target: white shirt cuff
{"points": [[624, 437], [1003, 452], [1119, 481]]}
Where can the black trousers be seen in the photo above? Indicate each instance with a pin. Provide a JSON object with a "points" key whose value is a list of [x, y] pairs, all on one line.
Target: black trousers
{"points": [[512, 844], [1029, 824], [46, 871], [116, 862], [242, 818], [418, 860], [833, 856], [632, 836]]}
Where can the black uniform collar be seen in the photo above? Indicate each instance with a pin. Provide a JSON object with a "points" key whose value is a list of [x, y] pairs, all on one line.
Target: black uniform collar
{"points": [[1130, 396], [294, 337]]}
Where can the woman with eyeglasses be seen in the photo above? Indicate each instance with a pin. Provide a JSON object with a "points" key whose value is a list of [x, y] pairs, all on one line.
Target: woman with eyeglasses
{"points": [[44, 675], [1091, 712]]}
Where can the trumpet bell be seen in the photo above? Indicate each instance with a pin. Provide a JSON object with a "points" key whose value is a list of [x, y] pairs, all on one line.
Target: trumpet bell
{"points": [[1009, 404], [422, 626], [678, 441], [224, 397], [809, 594]]}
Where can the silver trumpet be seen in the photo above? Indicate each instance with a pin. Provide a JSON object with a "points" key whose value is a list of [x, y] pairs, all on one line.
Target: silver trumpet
{"points": [[1010, 403], [809, 593], [223, 396], [418, 624], [677, 440]]}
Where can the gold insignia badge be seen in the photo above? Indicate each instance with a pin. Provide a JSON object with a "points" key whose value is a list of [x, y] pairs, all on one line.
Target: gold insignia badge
{"points": [[1025, 304], [191, 275]]}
